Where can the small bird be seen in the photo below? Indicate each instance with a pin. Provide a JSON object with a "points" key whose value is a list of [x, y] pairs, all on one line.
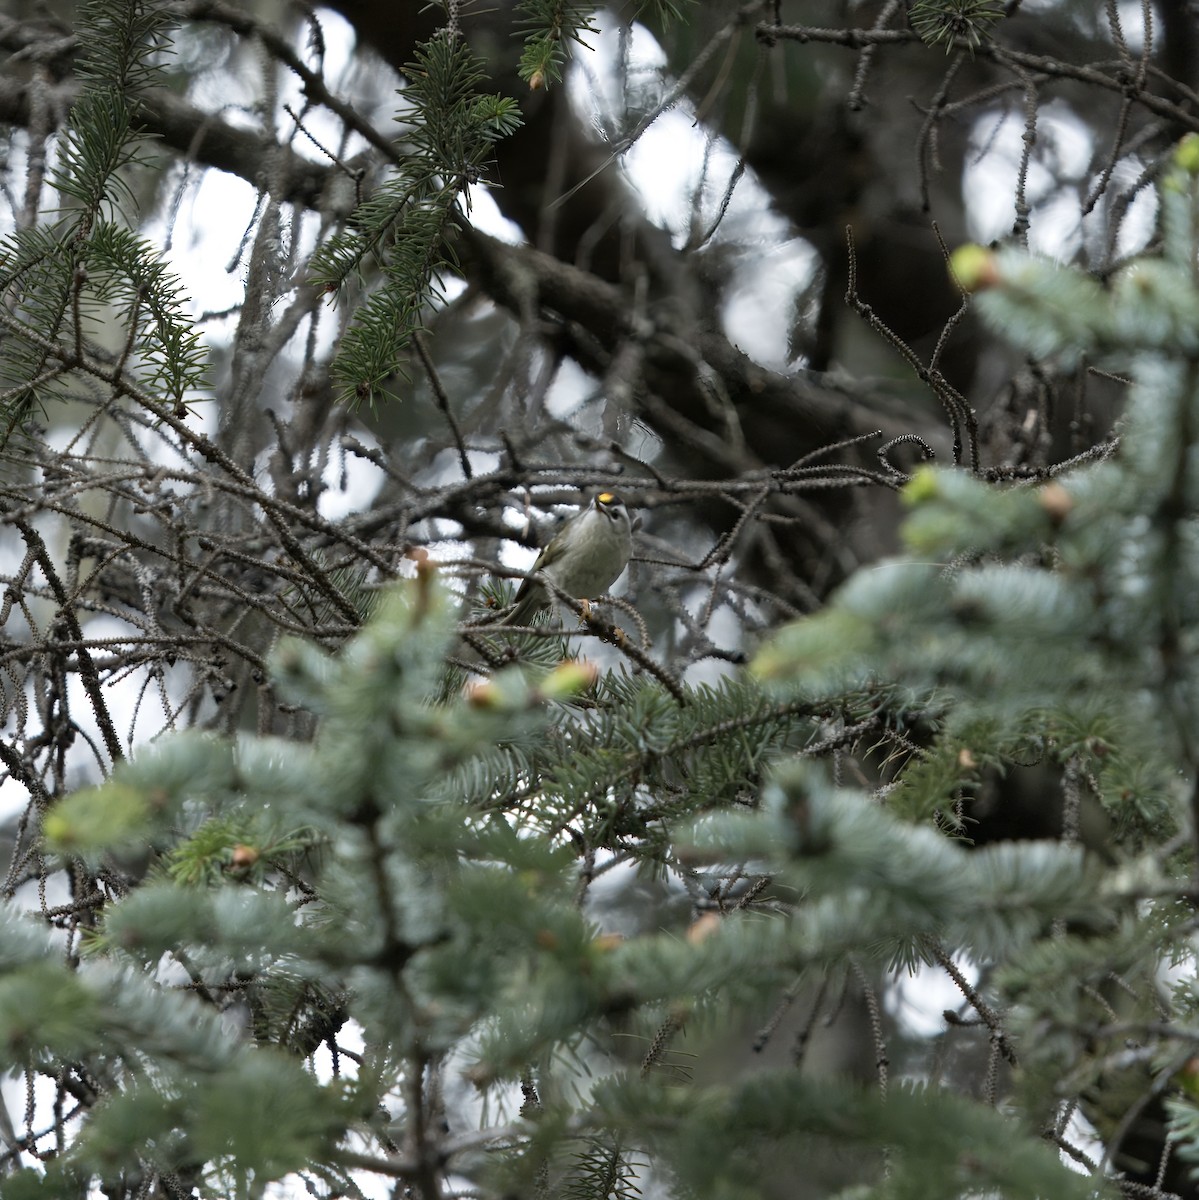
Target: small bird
{"points": [[584, 558]]}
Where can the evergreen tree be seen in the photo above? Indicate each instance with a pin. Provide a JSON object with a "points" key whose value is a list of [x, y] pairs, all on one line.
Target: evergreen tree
{"points": [[357, 921]]}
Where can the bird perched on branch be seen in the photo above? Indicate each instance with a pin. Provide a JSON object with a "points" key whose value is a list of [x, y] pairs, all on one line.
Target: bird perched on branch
{"points": [[584, 558]]}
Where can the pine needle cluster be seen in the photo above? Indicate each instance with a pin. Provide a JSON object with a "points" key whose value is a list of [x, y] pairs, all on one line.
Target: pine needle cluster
{"points": [[403, 228], [65, 282]]}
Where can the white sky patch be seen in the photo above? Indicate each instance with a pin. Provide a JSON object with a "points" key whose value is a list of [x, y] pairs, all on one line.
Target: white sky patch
{"points": [[485, 216], [1080, 1133], [918, 1001], [1057, 227], [164, 452], [570, 385], [666, 164], [759, 316], [682, 177], [214, 215], [518, 557], [351, 482], [996, 146], [1140, 220], [131, 709], [624, 899], [483, 462], [210, 238], [349, 1037], [594, 79], [44, 1092], [14, 798], [18, 168], [1132, 23], [233, 89], [225, 93], [1065, 166]]}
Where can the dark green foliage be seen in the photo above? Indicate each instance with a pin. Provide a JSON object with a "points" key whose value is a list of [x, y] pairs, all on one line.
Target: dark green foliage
{"points": [[440, 914], [552, 25], [68, 285], [735, 1136], [599, 1171], [1060, 632], [950, 22], [311, 945], [122, 46], [448, 130]]}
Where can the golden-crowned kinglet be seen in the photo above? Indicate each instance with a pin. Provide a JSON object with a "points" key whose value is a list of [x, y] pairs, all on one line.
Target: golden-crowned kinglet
{"points": [[584, 558]]}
